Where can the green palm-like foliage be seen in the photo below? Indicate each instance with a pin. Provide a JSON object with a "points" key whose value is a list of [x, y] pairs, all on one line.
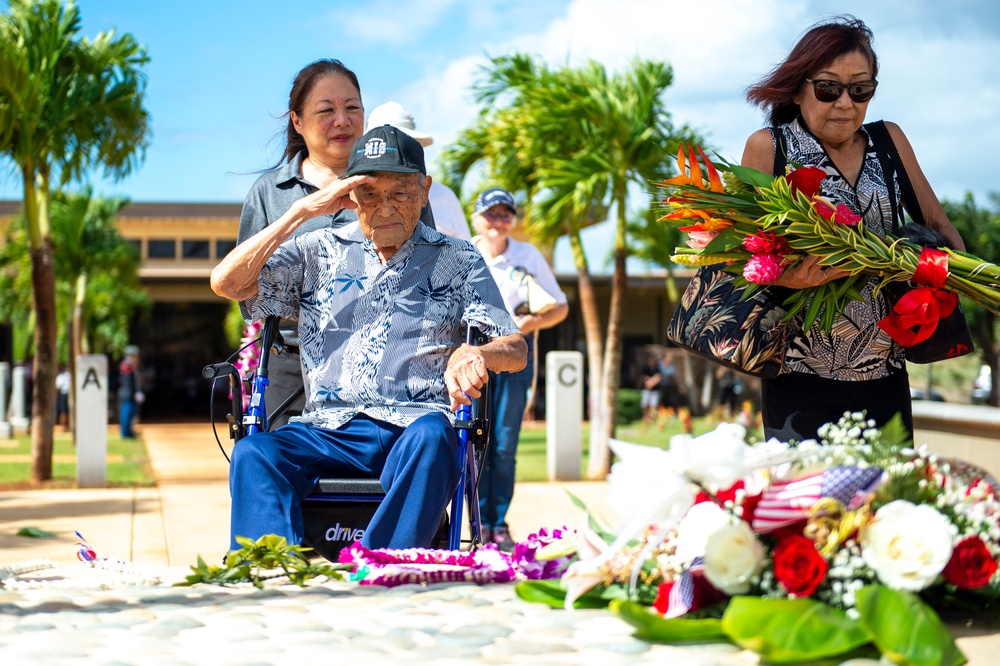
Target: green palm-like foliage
{"points": [[67, 104], [575, 143], [980, 229], [98, 290]]}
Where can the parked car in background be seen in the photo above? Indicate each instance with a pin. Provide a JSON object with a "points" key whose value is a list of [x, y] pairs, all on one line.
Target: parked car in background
{"points": [[921, 394], [982, 386]]}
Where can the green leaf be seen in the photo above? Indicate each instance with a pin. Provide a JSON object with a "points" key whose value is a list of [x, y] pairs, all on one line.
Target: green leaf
{"points": [[752, 177], [653, 627], [35, 533], [599, 529], [788, 631], [906, 629], [552, 593], [727, 239]]}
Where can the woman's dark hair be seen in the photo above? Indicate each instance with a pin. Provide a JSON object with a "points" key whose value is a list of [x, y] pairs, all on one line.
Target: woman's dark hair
{"points": [[302, 87], [818, 47]]}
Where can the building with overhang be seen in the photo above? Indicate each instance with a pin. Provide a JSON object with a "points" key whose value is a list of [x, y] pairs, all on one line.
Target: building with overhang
{"points": [[180, 244]]}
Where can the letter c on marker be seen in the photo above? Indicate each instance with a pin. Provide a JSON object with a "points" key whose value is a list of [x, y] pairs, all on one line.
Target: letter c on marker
{"points": [[562, 377]]}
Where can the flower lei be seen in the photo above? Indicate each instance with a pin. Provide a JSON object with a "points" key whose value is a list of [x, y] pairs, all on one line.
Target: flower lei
{"points": [[249, 357], [487, 564]]}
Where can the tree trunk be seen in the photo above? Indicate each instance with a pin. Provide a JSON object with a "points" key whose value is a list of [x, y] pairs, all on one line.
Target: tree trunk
{"points": [[43, 288], [600, 465], [595, 344], [76, 346]]}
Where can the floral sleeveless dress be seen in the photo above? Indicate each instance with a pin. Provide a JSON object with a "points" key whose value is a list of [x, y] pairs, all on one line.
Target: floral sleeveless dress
{"points": [[856, 349]]}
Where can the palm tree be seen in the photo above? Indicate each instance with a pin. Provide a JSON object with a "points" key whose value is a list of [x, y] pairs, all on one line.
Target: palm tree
{"points": [[97, 287], [66, 104], [980, 229], [575, 140]]}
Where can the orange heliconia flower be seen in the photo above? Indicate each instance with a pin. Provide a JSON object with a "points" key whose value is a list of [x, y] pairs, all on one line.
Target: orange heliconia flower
{"points": [[689, 171]]}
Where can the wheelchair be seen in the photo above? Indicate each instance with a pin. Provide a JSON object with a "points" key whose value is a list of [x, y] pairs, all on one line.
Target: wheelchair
{"points": [[338, 510]]}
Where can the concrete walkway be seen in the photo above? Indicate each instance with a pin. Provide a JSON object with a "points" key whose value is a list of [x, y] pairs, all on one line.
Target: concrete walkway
{"points": [[187, 513]]}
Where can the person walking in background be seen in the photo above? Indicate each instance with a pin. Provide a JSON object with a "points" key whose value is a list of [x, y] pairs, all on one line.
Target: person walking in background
{"points": [[816, 101], [130, 395], [649, 392], [445, 206], [513, 264], [63, 384]]}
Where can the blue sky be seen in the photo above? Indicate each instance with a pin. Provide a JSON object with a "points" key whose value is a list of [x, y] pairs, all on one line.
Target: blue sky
{"points": [[220, 72]]}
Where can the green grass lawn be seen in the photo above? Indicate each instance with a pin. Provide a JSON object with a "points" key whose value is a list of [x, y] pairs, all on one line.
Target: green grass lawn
{"points": [[531, 461], [128, 463]]}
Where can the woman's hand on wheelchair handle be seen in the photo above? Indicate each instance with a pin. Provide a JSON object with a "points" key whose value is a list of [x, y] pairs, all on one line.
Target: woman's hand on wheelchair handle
{"points": [[465, 375]]}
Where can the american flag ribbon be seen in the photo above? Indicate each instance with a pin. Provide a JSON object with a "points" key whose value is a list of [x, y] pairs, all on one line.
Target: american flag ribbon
{"points": [[788, 502], [681, 597]]}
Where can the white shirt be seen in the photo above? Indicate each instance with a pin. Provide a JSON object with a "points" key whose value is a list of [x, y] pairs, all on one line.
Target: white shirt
{"points": [[506, 272], [449, 218]]}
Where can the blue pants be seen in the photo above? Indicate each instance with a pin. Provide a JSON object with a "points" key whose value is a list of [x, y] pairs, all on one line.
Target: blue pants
{"points": [[126, 414], [272, 472], [496, 485]]}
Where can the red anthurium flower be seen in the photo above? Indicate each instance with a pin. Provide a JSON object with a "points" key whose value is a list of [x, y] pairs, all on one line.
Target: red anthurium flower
{"points": [[765, 241], [845, 215], [971, 564], [798, 566], [806, 180], [839, 213]]}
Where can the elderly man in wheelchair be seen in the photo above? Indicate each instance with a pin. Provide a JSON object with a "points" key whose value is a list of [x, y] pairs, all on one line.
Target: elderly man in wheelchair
{"points": [[382, 307]]}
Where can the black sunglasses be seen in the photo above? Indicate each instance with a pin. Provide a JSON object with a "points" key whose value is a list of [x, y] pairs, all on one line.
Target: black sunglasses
{"points": [[830, 91]]}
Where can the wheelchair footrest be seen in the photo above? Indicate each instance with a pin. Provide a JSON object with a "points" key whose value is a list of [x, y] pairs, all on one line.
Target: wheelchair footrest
{"points": [[348, 487]]}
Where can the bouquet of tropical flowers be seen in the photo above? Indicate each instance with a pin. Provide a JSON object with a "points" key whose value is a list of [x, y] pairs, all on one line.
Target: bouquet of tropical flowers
{"points": [[760, 225], [802, 552]]}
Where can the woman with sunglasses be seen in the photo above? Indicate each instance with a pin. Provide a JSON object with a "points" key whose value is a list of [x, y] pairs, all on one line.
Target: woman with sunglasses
{"points": [[816, 101]]}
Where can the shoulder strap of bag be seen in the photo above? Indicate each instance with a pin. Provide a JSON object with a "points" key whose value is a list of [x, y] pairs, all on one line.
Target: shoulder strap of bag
{"points": [[889, 158], [780, 151]]}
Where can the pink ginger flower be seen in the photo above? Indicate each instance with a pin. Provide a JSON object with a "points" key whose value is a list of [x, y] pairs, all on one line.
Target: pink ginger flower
{"points": [[763, 268]]}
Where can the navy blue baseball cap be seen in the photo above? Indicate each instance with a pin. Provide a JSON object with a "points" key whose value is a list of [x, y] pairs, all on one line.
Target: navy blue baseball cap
{"points": [[495, 196], [385, 148]]}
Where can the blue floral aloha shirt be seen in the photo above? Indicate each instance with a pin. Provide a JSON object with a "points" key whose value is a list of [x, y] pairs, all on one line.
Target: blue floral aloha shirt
{"points": [[375, 339]]}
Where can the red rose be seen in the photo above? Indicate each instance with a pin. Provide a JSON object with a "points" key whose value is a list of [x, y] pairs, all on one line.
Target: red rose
{"points": [[971, 564], [798, 565], [806, 180]]}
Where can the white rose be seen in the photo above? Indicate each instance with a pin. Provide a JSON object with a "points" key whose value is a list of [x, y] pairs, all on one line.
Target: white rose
{"points": [[908, 544], [701, 521], [733, 555]]}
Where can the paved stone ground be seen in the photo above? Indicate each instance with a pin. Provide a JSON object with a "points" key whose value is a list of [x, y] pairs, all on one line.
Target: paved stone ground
{"points": [[96, 618], [75, 621]]}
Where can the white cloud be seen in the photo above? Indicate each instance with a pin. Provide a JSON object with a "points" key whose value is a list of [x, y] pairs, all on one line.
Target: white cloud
{"points": [[388, 22]]}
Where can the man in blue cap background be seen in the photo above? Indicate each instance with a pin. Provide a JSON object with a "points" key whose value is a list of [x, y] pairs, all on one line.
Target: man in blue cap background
{"points": [[382, 306]]}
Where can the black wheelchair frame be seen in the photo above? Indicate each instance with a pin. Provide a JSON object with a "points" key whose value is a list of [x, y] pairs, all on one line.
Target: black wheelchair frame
{"points": [[353, 501]]}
